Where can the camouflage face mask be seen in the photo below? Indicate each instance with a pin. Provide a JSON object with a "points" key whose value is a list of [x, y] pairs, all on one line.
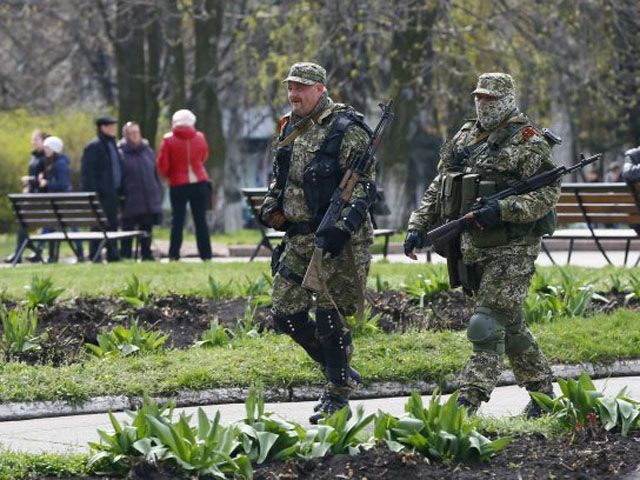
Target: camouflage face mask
{"points": [[491, 113]]}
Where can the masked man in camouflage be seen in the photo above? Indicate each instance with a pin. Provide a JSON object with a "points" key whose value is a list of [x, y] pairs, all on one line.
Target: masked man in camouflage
{"points": [[316, 142], [494, 261]]}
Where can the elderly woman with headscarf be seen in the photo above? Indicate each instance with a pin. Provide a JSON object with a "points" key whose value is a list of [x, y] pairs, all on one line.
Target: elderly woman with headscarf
{"points": [[181, 161]]}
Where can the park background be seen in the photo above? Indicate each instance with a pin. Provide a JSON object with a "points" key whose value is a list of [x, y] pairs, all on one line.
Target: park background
{"points": [[63, 62]]}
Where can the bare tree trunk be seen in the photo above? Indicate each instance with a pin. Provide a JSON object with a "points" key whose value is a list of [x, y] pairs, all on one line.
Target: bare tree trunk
{"points": [[175, 56], [412, 49], [152, 78], [205, 101]]}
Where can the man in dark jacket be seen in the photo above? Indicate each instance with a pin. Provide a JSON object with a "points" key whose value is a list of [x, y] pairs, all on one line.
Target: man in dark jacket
{"points": [[102, 173], [142, 189]]}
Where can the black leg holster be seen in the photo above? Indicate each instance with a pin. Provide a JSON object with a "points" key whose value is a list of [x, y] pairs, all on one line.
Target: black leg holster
{"points": [[302, 331], [335, 343]]}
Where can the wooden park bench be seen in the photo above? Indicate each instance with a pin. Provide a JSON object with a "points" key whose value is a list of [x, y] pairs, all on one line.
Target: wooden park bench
{"points": [[66, 213], [597, 205], [254, 198]]}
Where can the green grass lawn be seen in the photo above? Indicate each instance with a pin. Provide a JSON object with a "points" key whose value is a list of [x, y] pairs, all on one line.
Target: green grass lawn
{"points": [[275, 361], [191, 278]]}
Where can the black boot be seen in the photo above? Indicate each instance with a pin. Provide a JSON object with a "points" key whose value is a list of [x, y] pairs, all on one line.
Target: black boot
{"points": [[464, 402], [355, 377], [331, 404], [533, 410]]}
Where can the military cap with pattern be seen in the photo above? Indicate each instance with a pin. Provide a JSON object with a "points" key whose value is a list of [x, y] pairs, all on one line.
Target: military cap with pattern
{"points": [[306, 73], [495, 84]]}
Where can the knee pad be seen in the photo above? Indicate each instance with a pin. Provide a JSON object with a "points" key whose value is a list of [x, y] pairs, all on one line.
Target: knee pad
{"points": [[486, 332], [296, 325], [517, 339], [336, 345]]}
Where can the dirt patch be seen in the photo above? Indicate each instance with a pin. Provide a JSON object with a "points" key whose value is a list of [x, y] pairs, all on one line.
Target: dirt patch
{"points": [[69, 324], [526, 457]]}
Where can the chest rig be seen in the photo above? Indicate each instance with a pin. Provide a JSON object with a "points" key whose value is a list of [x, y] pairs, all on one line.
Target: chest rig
{"points": [[323, 173], [463, 184]]}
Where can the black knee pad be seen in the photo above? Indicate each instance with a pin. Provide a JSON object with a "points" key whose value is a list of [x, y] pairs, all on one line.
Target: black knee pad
{"points": [[298, 326], [336, 345]]}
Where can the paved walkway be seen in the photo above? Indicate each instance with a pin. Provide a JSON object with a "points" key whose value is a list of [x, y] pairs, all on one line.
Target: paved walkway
{"points": [[71, 434]]}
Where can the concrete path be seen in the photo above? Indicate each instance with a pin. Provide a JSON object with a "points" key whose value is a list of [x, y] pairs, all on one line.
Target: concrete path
{"points": [[71, 434]]}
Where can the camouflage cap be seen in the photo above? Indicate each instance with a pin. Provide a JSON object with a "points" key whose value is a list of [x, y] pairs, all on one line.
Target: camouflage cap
{"points": [[306, 73], [495, 84]]}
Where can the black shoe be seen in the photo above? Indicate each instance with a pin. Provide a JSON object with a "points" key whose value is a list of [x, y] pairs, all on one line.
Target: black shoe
{"points": [[10, 259], [332, 403], [533, 410], [355, 376], [471, 407], [81, 259], [33, 258], [52, 260]]}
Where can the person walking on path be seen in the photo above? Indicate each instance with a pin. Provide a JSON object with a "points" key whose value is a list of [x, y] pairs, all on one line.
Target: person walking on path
{"points": [[142, 206], [183, 152], [495, 261], [102, 173], [316, 143]]}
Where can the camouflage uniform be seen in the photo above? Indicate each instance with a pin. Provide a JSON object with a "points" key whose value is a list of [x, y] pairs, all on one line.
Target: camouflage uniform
{"points": [[499, 267], [325, 340]]}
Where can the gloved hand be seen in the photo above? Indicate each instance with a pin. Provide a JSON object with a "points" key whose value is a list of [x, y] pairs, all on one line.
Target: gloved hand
{"points": [[488, 216], [415, 240], [332, 240]]}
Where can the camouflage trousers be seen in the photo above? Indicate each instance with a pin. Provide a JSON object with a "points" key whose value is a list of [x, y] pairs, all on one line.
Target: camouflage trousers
{"points": [[503, 288], [342, 276]]}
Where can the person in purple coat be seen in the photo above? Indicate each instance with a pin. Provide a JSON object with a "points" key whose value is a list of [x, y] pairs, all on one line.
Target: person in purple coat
{"points": [[142, 207]]}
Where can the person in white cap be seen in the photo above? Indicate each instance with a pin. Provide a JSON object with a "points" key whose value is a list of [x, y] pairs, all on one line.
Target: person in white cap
{"points": [[56, 178], [183, 152]]}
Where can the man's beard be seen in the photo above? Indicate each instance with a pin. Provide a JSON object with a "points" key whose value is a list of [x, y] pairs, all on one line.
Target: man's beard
{"points": [[491, 114]]}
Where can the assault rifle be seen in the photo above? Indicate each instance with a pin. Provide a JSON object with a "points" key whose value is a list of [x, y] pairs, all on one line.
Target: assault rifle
{"points": [[442, 236], [342, 194]]}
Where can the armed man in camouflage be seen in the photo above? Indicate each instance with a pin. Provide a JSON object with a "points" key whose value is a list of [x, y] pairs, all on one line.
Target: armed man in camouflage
{"points": [[316, 142], [494, 261]]}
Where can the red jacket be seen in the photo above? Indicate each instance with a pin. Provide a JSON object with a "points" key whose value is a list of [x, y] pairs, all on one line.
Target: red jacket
{"points": [[180, 149]]}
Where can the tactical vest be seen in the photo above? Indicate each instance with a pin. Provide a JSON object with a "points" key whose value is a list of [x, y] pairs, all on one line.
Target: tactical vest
{"points": [[460, 189], [323, 173]]}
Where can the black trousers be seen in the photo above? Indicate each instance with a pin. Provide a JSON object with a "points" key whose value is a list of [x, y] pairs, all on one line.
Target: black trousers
{"points": [[197, 195], [112, 245], [139, 222]]}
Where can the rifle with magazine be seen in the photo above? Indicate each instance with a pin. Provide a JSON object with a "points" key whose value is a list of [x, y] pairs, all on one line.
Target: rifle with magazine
{"points": [[342, 195], [442, 236]]}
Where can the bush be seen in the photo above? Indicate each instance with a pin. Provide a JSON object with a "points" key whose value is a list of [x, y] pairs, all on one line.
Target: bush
{"points": [[582, 408], [41, 292], [439, 432], [136, 293], [127, 341], [19, 331], [75, 129]]}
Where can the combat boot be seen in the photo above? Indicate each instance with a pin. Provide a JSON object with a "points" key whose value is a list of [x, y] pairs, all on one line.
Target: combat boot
{"points": [[356, 379], [533, 410], [331, 404], [464, 402]]}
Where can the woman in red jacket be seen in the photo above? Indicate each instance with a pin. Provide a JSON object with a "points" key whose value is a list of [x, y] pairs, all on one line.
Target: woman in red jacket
{"points": [[183, 152]]}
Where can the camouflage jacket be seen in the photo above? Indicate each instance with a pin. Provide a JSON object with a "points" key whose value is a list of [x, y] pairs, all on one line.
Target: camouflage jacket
{"points": [[305, 147], [525, 154]]}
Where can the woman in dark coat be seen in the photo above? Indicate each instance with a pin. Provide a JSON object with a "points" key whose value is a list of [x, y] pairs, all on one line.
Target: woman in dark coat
{"points": [[141, 187]]}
